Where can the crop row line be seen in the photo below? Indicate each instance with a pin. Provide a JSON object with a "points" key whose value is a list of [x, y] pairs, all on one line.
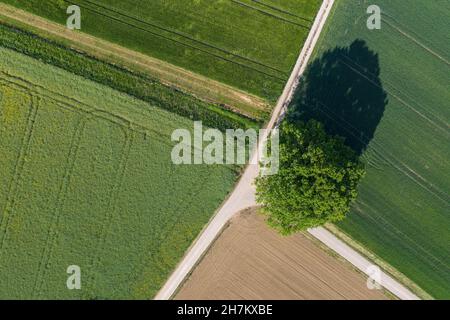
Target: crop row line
{"points": [[386, 156], [270, 14], [374, 160], [281, 79], [412, 38], [186, 36], [8, 209], [59, 206], [396, 232], [357, 68], [281, 10]]}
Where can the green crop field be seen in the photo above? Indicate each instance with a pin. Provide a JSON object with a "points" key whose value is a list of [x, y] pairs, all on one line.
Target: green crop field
{"points": [[249, 44], [86, 179], [397, 81]]}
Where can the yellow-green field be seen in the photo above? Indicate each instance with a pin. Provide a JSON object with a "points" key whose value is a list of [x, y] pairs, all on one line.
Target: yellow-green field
{"points": [[86, 179]]}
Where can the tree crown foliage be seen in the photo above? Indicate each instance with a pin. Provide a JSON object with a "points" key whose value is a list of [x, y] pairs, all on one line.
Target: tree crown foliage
{"points": [[316, 182]]}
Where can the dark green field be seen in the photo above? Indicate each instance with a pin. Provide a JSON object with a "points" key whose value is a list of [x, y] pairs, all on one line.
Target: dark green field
{"points": [[388, 92], [250, 44]]}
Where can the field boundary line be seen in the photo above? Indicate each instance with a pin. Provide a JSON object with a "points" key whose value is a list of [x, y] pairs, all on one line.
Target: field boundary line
{"points": [[244, 194], [379, 261]]}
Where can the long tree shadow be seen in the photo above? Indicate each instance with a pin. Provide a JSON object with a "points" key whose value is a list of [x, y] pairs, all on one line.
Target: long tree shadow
{"points": [[342, 89]]}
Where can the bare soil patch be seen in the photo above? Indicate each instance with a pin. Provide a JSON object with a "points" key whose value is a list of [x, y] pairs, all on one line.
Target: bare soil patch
{"points": [[251, 261]]}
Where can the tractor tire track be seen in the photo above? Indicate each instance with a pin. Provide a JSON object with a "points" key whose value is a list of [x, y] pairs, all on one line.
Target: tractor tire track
{"points": [[393, 161], [112, 203], [417, 42], [281, 10], [217, 56], [188, 37], [436, 123], [8, 209], [60, 201], [397, 233], [270, 14], [75, 105]]}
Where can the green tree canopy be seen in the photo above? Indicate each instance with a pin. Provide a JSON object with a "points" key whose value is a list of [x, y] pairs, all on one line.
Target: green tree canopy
{"points": [[316, 182]]}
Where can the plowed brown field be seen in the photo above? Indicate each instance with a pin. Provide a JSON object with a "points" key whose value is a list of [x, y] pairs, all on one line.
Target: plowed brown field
{"points": [[251, 261]]}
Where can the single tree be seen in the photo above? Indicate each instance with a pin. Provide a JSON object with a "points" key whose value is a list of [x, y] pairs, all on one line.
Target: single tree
{"points": [[316, 182]]}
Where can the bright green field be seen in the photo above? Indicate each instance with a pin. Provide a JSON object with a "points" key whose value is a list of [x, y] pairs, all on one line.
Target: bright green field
{"points": [[250, 44], [86, 179], [403, 210]]}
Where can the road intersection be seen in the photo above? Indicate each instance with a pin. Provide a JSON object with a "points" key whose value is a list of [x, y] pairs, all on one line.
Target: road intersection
{"points": [[243, 196]]}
